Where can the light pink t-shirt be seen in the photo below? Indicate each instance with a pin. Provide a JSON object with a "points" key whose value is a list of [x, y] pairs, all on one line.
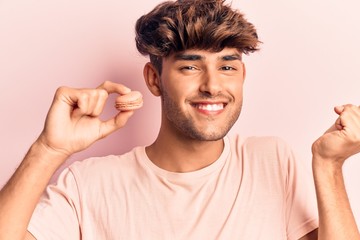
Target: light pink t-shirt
{"points": [[255, 190]]}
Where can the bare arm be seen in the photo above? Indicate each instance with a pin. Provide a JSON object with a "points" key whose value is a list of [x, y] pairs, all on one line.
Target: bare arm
{"points": [[72, 125], [20, 195], [336, 220]]}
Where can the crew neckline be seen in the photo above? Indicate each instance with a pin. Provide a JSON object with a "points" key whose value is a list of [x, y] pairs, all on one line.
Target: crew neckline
{"points": [[218, 164]]}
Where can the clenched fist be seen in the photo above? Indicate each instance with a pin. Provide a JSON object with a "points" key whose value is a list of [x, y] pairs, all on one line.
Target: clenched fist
{"points": [[341, 140]]}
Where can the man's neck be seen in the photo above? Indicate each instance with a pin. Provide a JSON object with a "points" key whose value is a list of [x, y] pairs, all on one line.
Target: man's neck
{"points": [[182, 154]]}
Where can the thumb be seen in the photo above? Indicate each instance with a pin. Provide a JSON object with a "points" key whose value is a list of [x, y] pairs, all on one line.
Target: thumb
{"points": [[114, 123], [337, 126], [339, 109]]}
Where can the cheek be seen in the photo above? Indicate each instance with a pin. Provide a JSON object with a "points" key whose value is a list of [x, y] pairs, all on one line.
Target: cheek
{"points": [[236, 89], [178, 90], [171, 95]]}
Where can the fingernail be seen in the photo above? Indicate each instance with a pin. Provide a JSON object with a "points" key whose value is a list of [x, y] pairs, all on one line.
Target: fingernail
{"points": [[127, 90]]}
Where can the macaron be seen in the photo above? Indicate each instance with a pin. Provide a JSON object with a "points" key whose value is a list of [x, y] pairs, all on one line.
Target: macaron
{"points": [[130, 101]]}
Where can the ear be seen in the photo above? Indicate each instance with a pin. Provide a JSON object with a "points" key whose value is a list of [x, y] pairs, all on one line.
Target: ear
{"points": [[244, 71], [152, 79]]}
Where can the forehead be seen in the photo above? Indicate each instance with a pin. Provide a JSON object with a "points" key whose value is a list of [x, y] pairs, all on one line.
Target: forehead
{"points": [[205, 55]]}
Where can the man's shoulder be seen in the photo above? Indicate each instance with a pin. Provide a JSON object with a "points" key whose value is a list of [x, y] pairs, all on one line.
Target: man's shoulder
{"points": [[260, 146], [263, 154], [257, 142], [107, 165]]}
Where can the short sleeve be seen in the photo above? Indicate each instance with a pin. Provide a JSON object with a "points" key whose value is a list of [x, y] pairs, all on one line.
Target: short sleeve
{"points": [[57, 213], [301, 208]]}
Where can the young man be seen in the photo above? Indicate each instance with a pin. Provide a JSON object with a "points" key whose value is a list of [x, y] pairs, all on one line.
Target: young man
{"points": [[193, 182]]}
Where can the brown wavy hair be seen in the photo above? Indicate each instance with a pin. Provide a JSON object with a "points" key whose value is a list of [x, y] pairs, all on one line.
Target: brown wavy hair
{"points": [[175, 26]]}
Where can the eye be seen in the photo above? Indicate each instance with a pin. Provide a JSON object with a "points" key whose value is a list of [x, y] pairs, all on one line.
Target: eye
{"points": [[188, 68], [227, 68]]}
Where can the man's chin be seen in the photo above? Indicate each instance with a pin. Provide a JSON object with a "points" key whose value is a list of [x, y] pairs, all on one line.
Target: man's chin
{"points": [[209, 136]]}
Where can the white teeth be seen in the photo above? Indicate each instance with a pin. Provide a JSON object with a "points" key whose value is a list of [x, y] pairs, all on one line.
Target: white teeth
{"points": [[211, 107]]}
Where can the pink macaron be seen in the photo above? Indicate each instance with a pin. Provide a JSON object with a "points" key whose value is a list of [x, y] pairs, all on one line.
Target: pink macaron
{"points": [[130, 101]]}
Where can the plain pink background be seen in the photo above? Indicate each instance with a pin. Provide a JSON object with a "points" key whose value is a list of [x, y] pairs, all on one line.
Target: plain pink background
{"points": [[309, 62]]}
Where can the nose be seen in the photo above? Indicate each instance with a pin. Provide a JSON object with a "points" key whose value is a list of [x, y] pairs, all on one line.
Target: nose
{"points": [[210, 83]]}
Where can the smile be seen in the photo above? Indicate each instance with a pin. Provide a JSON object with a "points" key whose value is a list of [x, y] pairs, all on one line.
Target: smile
{"points": [[210, 107]]}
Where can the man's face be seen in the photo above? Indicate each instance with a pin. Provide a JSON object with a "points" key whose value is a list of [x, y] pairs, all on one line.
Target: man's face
{"points": [[201, 92]]}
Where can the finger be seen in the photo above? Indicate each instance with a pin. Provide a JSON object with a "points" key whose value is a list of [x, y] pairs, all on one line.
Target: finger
{"points": [[338, 125], [343, 112], [89, 102], [66, 100], [350, 117], [99, 105], [114, 123], [112, 87], [61, 107], [339, 109], [342, 108], [82, 104]]}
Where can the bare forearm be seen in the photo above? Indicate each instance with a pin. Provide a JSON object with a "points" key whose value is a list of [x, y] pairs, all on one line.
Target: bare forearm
{"points": [[20, 195], [336, 220]]}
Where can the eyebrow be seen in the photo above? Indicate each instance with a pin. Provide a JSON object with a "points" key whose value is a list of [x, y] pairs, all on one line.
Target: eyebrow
{"points": [[188, 57], [231, 57], [195, 57]]}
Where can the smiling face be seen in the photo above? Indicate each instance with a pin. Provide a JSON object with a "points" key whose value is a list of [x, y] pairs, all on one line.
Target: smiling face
{"points": [[201, 92]]}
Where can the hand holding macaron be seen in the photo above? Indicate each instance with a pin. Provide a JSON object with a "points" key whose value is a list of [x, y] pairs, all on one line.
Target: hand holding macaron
{"points": [[73, 122]]}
